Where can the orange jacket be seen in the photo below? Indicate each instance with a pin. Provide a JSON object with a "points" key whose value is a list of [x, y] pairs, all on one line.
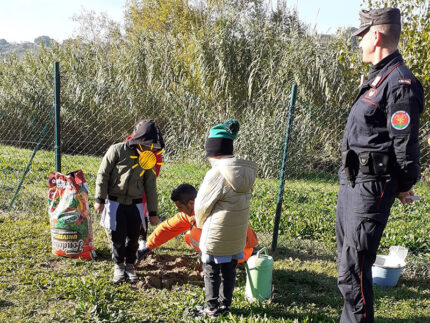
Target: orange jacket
{"points": [[169, 229], [182, 222]]}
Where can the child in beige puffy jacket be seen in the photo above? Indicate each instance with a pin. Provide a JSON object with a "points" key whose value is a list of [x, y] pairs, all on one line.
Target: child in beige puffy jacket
{"points": [[222, 212]]}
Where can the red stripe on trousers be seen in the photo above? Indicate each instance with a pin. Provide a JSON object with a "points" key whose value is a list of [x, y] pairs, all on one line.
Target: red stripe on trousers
{"points": [[361, 285], [382, 195]]}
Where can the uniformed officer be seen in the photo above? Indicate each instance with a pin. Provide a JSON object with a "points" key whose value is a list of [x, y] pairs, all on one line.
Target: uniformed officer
{"points": [[380, 157]]}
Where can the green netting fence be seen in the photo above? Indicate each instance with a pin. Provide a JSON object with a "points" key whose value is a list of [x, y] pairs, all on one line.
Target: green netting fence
{"points": [[95, 115]]}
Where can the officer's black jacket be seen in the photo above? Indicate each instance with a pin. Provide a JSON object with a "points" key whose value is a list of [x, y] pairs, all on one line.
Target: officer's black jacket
{"points": [[385, 118]]}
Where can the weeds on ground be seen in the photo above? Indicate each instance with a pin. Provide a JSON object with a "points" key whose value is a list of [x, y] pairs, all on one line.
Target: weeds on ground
{"points": [[38, 286]]}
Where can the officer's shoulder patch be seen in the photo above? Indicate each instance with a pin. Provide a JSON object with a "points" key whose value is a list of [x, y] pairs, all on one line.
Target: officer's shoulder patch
{"points": [[405, 81], [400, 120], [371, 93], [376, 81]]}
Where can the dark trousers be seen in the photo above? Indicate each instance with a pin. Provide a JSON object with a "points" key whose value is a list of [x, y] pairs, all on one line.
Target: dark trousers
{"points": [[362, 213], [219, 283], [125, 237]]}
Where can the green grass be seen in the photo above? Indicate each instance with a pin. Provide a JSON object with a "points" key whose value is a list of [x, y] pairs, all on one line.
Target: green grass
{"points": [[38, 286]]}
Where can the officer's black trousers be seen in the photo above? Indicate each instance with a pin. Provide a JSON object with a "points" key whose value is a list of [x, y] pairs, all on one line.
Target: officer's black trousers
{"points": [[362, 213]]}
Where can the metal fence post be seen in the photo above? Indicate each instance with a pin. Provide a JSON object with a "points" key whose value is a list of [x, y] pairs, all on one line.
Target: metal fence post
{"points": [[284, 163], [57, 118]]}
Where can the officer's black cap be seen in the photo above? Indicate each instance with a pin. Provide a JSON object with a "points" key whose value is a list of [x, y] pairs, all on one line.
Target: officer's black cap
{"points": [[390, 16]]}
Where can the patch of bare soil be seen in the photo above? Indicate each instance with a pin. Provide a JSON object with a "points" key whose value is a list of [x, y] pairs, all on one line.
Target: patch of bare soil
{"points": [[166, 271], [55, 264]]}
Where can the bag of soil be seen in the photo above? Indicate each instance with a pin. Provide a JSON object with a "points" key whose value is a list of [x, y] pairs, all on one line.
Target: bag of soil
{"points": [[70, 222]]}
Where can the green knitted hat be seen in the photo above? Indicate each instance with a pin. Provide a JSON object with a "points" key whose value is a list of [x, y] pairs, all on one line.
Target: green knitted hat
{"points": [[220, 141], [228, 129]]}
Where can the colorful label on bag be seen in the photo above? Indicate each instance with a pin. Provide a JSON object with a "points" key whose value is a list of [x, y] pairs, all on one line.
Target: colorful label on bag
{"points": [[70, 242], [71, 230]]}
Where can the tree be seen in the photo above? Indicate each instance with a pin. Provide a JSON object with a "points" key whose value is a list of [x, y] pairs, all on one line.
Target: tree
{"points": [[174, 17], [45, 40]]}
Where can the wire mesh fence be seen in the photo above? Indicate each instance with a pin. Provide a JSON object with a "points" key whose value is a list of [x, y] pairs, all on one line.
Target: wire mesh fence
{"points": [[95, 115]]}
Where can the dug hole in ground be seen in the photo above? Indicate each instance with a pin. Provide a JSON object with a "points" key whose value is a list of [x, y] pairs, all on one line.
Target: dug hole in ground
{"points": [[166, 271]]}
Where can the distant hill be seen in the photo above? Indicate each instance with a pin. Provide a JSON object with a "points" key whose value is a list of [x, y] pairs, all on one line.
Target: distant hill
{"points": [[7, 48]]}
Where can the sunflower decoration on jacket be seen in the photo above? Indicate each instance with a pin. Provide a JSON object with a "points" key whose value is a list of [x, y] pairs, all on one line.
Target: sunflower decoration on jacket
{"points": [[147, 159]]}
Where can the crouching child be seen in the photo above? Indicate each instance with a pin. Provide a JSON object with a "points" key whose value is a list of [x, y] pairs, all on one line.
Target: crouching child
{"points": [[222, 212], [183, 197]]}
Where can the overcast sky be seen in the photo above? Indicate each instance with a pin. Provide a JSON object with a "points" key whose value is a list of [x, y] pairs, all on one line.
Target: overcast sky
{"points": [[24, 20]]}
